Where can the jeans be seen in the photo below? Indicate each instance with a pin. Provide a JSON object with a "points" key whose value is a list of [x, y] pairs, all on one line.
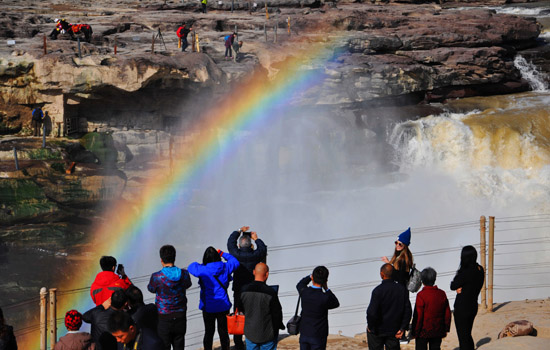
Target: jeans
{"points": [[210, 327], [184, 44], [377, 342], [311, 343], [228, 52], [269, 345], [172, 331], [422, 343]]}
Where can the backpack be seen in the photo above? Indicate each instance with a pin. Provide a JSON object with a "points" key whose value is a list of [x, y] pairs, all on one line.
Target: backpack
{"points": [[225, 38], [415, 282], [37, 114]]}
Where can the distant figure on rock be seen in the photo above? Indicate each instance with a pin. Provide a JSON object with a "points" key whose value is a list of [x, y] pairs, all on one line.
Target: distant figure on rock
{"points": [[37, 120], [7, 338], [316, 301], [203, 4], [182, 33], [467, 282], [85, 29], [402, 259], [432, 314], [388, 313], [248, 258], [61, 27], [229, 39], [74, 339], [107, 281], [169, 285]]}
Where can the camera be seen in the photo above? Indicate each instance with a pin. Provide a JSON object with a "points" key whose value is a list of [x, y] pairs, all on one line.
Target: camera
{"points": [[120, 269], [247, 233]]}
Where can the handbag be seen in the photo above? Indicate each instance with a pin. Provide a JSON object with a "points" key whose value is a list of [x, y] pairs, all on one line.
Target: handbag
{"points": [[415, 281], [293, 325], [235, 323]]}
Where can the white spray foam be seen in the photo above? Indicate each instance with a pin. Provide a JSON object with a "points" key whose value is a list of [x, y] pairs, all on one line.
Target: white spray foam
{"points": [[529, 72]]}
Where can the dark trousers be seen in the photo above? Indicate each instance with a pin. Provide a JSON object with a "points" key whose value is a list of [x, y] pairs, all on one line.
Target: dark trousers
{"points": [[228, 52], [203, 7], [210, 320], [377, 342], [464, 322], [172, 331], [422, 343], [36, 127], [184, 44], [311, 343]]}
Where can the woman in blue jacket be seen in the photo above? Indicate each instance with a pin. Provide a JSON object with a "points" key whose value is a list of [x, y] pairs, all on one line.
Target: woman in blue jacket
{"points": [[214, 276]]}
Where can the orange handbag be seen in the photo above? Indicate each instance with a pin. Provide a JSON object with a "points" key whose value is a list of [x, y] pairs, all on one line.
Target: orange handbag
{"points": [[235, 323]]}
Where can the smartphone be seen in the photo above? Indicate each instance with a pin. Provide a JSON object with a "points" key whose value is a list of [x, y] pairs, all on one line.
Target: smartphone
{"points": [[246, 233]]}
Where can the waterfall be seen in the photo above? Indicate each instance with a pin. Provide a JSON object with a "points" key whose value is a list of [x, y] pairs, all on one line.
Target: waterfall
{"points": [[530, 73]]}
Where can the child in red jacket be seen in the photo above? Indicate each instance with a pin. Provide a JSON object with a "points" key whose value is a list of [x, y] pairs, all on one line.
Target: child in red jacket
{"points": [[432, 314]]}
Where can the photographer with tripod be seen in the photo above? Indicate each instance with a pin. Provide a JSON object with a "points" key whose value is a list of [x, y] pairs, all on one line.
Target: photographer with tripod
{"points": [[248, 258]]}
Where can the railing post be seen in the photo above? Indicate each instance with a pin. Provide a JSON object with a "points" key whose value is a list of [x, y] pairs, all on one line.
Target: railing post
{"points": [[483, 258], [53, 320], [79, 50], [491, 263], [43, 324], [43, 134], [45, 46], [15, 158]]}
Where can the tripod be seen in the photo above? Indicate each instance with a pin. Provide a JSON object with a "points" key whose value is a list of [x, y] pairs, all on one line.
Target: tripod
{"points": [[159, 36]]}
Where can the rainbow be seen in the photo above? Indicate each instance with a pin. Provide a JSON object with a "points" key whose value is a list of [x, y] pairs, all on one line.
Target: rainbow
{"points": [[254, 106]]}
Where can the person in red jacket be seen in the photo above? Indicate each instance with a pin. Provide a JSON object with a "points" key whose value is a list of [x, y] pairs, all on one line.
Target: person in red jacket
{"points": [[107, 281], [432, 314]]}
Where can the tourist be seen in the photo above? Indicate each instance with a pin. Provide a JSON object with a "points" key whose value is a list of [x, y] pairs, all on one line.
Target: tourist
{"points": [[107, 281], [388, 313], [467, 282], [74, 339], [229, 39], [316, 301], [169, 285], [145, 316], [236, 48], [130, 336], [203, 5], [248, 257], [182, 33], [214, 276], [98, 317], [263, 312], [432, 315], [7, 338], [36, 120], [402, 259], [61, 27]]}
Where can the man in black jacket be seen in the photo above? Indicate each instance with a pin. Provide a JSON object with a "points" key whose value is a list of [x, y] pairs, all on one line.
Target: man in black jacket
{"points": [[263, 312], [98, 317], [388, 314], [316, 301], [130, 336], [248, 259]]}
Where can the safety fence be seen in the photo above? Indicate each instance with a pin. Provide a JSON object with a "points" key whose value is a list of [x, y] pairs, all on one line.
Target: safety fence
{"points": [[534, 244]]}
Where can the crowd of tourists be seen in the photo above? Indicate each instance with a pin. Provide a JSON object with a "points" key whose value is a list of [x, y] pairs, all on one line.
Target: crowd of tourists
{"points": [[121, 319]]}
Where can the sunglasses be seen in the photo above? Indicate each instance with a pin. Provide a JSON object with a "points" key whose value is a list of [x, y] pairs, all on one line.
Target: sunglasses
{"points": [[399, 243]]}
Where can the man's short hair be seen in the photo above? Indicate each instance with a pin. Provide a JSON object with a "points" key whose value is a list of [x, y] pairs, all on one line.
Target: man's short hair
{"points": [[320, 275], [387, 270], [245, 241], [168, 254], [428, 276], [134, 294], [118, 299], [107, 263], [120, 321]]}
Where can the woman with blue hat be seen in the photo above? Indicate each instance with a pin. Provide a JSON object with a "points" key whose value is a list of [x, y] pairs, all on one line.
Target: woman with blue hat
{"points": [[402, 259]]}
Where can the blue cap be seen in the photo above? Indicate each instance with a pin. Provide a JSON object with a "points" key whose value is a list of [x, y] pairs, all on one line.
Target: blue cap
{"points": [[405, 237]]}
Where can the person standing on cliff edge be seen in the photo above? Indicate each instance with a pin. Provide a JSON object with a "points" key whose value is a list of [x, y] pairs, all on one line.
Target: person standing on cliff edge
{"points": [[182, 33], [203, 4]]}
